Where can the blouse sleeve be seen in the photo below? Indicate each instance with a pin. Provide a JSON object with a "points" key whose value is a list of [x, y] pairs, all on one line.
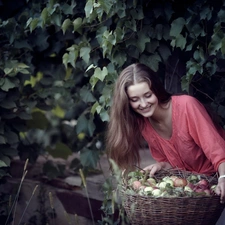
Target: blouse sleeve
{"points": [[204, 133]]}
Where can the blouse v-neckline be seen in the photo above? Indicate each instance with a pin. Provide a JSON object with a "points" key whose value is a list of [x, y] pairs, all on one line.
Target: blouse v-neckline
{"points": [[172, 117]]}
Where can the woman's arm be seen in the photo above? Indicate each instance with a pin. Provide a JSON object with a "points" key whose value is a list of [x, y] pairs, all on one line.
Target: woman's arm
{"points": [[153, 168], [220, 189]]}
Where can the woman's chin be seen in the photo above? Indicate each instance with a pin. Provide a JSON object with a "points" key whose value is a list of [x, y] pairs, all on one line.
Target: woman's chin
{"points": [[146, 114]]}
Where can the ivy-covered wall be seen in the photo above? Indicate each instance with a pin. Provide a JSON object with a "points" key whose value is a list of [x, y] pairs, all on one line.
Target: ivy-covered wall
{"points": [[60, 59]]}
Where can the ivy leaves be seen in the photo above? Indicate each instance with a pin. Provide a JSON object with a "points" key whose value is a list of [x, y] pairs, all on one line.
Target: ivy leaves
{"points": [[64, 58]]}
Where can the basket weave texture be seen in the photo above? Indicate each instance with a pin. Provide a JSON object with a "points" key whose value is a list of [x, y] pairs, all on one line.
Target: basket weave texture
{"points": [[149, 210]]}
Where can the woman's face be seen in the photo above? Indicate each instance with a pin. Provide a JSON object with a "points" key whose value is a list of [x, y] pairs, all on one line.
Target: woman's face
{"points": [[142, 99]]}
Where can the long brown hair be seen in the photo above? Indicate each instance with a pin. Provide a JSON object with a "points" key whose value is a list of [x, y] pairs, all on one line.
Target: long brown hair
{"points": [[124, 140]]}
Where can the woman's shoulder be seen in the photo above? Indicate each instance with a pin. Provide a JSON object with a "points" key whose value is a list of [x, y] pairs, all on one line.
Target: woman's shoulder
{"points": [[184, 99]]}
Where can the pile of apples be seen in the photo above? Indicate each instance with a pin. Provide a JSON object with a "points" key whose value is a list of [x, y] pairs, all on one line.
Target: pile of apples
{"points": [[168, 186]]}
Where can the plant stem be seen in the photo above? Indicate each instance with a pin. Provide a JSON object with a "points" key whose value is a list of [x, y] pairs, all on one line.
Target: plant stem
{"points": [[85, 187], [16, 199], [28, 204]]}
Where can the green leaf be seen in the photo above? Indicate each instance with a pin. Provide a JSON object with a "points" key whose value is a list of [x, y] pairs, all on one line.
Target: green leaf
{"points": [[119, 58], [152, 61], [205, 13], [177, 26], [91, 126], [159, 31], [60, 150], [58, 111], [11, 137], [142, 40], [85, 53], [86, 95], [137, 13], [85, 125], [221, 15], [223, 46], [11, 152], [106, 5], [7, 84], [82, 124], [7, 104], [6, 160], [2, 140], [94, 107], [179, 42], [104, 116], [77, 23], [66, 60], [44, 16], [68, 9], [2, 164], [216, 42], [66, 24], [88, 8], [89, 158], [164, 52], [8, 70], [100, 74], [185, 84], [38, 121], [33, 24]]}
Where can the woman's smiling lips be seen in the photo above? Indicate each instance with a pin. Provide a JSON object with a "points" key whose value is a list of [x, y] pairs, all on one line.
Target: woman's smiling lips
{"points": [[146, 109]]}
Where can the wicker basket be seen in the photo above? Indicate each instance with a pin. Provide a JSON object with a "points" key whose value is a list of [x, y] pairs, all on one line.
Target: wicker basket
{"points": [[149, 210]]}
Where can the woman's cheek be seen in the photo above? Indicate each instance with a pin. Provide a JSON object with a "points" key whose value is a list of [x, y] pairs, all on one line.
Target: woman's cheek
{"points": [[134, 105]]}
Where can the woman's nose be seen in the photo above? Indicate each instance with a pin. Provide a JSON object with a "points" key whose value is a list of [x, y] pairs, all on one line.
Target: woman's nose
{"points": [[143, 103]]}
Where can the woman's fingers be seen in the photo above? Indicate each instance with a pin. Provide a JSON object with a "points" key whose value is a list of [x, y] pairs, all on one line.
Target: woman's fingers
{"points": [[153, 169], [220, 190]]}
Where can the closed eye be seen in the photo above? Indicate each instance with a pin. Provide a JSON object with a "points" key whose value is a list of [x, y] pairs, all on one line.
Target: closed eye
{"points": [[148, 95], [133, 99]]}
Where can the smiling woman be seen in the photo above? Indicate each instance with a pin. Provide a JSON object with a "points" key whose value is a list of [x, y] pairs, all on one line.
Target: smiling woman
{"points": [[142, 99], [178, 129]]}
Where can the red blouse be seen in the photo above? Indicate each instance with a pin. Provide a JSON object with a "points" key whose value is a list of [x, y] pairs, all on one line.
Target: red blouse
{"points": [[195, 145]]}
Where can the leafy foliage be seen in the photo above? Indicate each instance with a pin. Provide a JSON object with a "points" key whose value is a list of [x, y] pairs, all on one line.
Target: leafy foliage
{"points": [[59, 61]]}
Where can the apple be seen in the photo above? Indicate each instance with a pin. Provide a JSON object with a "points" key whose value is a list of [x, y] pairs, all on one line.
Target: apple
{"points": [[180, 182], [170, 182], [165, 178], [142, 187], [203, 182], [151, 181], [156, 192], [162, 185], [148, 189], [188, 188], [136, 184], [173, 178]]}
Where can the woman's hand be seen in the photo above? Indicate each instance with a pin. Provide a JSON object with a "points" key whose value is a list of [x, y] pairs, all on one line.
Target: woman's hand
{"points": [[157, 167], [220, 189]]}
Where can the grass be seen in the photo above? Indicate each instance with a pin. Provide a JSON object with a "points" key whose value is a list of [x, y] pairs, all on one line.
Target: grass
{"points": [[47, 216]]}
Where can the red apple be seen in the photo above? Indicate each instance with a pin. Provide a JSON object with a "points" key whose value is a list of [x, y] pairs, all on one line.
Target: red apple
{"points": [[203, 182], [180, 182], [136, 184]]}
